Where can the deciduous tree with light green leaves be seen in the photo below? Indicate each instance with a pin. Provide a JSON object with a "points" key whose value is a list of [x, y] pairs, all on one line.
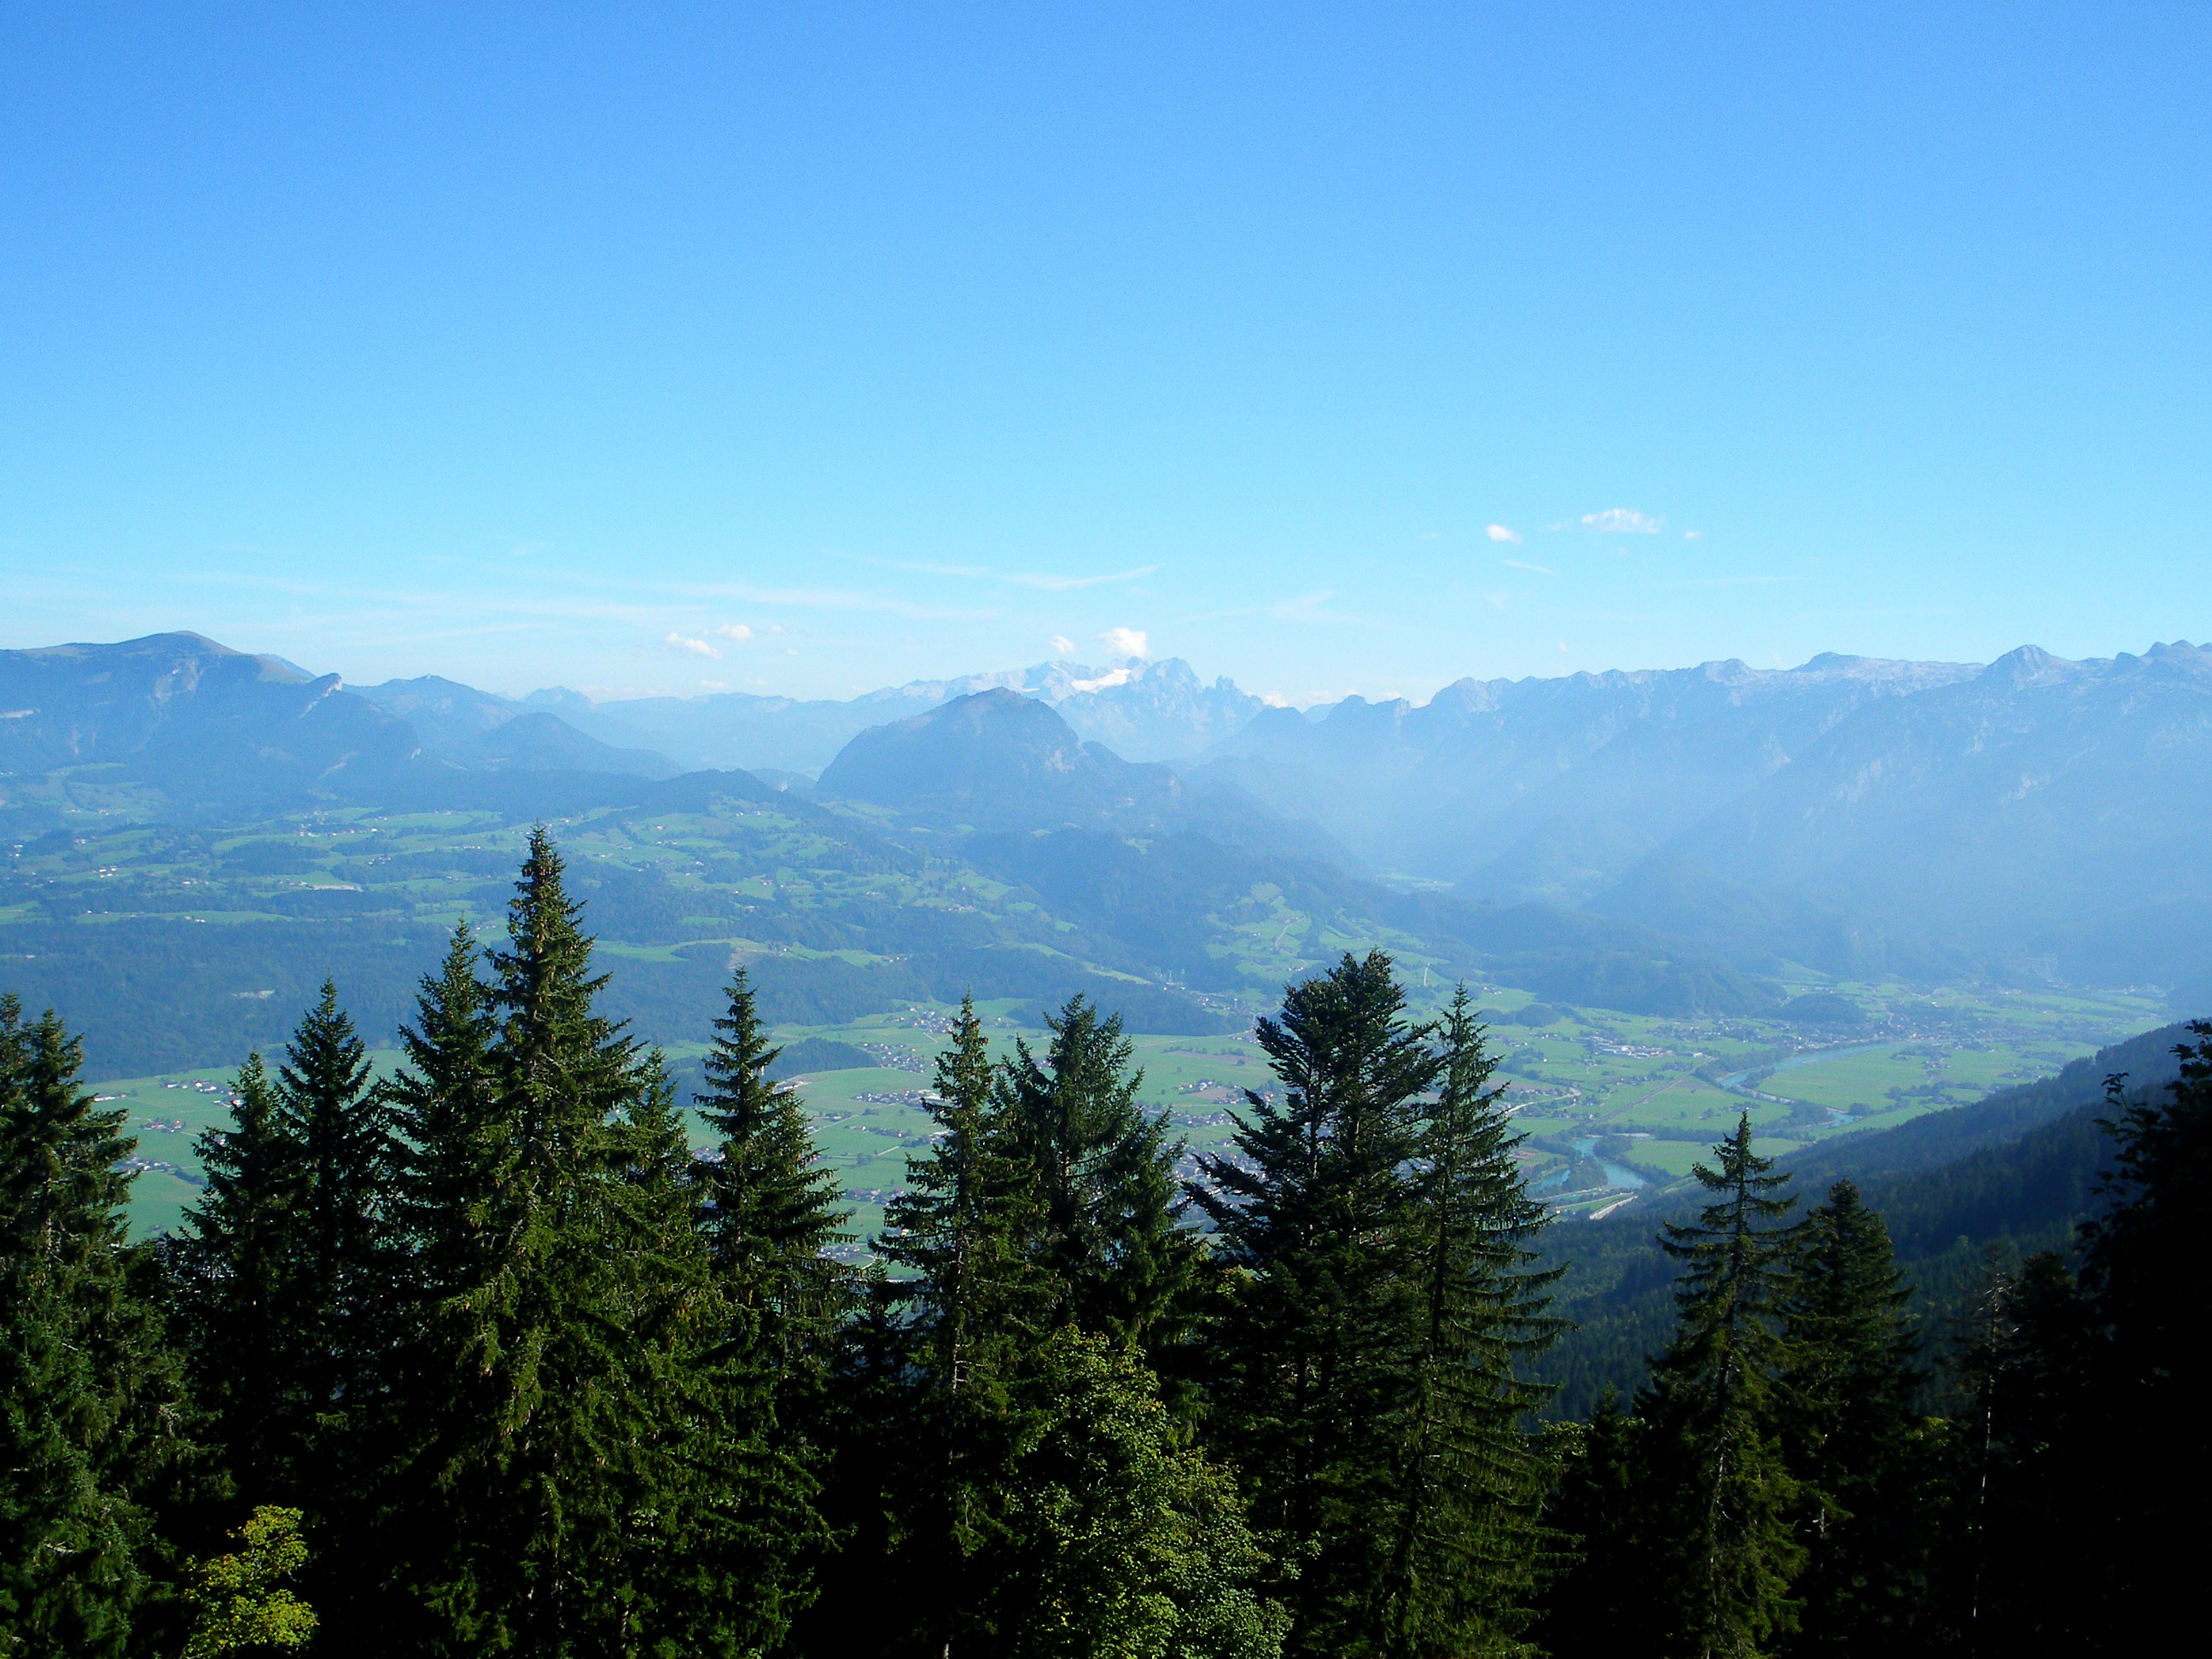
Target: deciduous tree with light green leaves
{"points": [[239, 1602]]}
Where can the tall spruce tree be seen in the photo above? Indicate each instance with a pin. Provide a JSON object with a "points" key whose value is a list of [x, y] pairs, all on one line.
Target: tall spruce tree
{"points": [[91, 1398], [1724, 1494], [773, 1212], [1849, 1433], [1319, 1295], [338, 1275], [1109, 1238], [451, 1137], [449, 1120], [287, 1272], [1469, 1479], [233, 1259], [721, 1506], [974, 1306], [553, 1467]]}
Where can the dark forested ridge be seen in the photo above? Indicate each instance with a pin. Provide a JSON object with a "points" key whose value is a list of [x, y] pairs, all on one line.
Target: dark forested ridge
{"points": [[2018, 1171], [483, 1357]]}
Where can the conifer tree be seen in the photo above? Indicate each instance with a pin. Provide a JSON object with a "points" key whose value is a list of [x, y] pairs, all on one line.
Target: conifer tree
{"points": [[2145, 1263], [1606, 1601], [91, 1398], [973, 1307], [1466, 1542], [1723, 1495], [451, 1135], [337, 1280], [1108, 1235], [2016, 1570], [234, 1266], [286, 1272], [773, 1212], [1313, 1225], [1848, 1432], [723, 1509], [456, 1155], [557, 1457]]}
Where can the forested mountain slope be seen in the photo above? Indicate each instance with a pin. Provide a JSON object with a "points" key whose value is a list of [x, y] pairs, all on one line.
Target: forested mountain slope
{"points": [[2016, 1171]]}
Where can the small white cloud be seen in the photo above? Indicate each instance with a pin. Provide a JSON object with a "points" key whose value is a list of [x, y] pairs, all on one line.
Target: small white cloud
{"points": [[1620, 521], [1540, 569], [1691, 535], [714, 685], [1061, 645], [1499, 532], [1430, 536], [738, 631], [1498, 601], [1562, 645], [1275, 700], [1126, 641], [684, 646]]}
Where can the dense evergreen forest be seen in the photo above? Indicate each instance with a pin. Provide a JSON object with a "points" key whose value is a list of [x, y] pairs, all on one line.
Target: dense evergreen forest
{"points": [[483, 1359]]}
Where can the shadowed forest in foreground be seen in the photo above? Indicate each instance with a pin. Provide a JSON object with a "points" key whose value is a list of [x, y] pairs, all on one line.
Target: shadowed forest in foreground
{"points": [[483, 1359]]}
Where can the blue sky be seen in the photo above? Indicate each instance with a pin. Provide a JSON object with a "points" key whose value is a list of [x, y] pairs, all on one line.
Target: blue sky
{"points": [[814, 348]]}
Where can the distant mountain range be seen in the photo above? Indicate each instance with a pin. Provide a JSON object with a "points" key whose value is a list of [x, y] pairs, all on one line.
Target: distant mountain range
{"points": [[2033, 817]]}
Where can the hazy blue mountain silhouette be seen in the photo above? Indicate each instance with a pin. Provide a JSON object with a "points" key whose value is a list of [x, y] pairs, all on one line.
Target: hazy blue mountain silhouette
{"points": [[1550, 788], [997, 759], [195, 718], [2054, 816], [215, 729], [1142, 710], [480, 729]]}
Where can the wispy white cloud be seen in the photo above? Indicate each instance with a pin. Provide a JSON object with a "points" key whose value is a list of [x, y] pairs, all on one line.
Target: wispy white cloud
{"points": [[1126, 641], [1499, 600], [1499, 532], [1044, 580], [1061, 645], [913, 566], [1052, 584], [737, 631], [1692, 535], [1540, 569], [827, 598], [1620, 521], [1563, 646], [686, 645]]}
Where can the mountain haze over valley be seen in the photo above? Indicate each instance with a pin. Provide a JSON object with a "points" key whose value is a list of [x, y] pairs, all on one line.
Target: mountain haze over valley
{"points": [[2032, 819]]}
